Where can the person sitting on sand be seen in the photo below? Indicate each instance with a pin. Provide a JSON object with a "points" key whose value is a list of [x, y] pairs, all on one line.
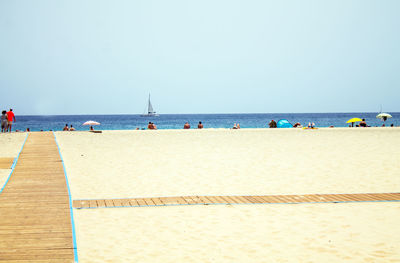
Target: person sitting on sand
{"points": [[272, 124], [72, 128], [186, 126], [91, 128], [66, 128], [311, 125], [200, 125], [238, 126], [297, 125], [151, 126], [234, 126], [363, 123]]}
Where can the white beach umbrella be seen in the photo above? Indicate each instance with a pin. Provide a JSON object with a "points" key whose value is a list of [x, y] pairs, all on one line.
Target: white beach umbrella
{"points": [[383, 116], [91, 123]]}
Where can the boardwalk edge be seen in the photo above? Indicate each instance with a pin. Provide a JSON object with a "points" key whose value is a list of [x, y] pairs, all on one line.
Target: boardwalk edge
{"points": [[70, 203], [14, 164]]}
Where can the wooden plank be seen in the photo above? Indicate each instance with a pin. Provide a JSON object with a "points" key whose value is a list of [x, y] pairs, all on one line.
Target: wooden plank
{"points": [[85, 204], [109, 203], [148, 201], [125, 202], [168, 200], [101, 203], [258, 199], [157, 201], [117, 202], [189, 200], [197, 200], [133, 202], [205, 200], [141, 202], [229, 200], [250, 199], [93, 203], [212, 199]]}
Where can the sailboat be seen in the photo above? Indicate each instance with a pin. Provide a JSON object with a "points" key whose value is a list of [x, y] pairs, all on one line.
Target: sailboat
{"points": [[150, 110]]}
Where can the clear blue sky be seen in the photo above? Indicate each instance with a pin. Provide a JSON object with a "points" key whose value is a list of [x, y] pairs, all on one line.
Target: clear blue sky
{"points": [[209, 56]]}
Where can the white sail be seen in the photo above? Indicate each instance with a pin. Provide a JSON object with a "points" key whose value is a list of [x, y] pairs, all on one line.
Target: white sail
{"points": [[150, 107], [150, 110]]}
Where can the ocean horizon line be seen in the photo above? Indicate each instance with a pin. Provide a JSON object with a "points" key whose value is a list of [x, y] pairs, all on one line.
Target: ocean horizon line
{"points": [[166, 114]]}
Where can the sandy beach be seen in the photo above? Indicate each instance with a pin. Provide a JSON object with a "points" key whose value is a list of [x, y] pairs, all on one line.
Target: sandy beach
{"points": [[122, 164], [128, 164], [10, 146]]}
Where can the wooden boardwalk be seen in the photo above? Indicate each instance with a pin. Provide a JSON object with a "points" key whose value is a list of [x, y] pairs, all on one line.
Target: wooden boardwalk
{"points": [[35, 218], [230, 200]]}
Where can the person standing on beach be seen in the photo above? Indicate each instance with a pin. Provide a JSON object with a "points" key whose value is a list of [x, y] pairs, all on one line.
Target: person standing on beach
{"points": [[4, 122], [10, 118]]}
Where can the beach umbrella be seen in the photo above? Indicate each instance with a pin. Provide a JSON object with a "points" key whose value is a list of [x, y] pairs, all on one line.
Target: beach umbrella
{"points": [[353, 120], [91, 123], [383, 116]]}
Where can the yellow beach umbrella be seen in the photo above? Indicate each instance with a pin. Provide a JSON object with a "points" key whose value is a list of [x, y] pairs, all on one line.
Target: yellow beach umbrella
{"points": [[353, 120]]}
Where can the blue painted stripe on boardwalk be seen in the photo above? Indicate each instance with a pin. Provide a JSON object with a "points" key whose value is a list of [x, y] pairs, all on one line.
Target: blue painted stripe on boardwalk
{"points": [[14, 164], [70, 204]]}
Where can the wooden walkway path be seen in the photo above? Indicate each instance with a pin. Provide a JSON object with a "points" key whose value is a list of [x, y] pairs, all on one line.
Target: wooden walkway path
{"points": [[35, 218], [212, 200]]}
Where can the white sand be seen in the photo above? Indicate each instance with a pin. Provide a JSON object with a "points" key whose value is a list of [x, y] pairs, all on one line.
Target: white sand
{"points": [[364, 232], [10, 146], [118, 164]]}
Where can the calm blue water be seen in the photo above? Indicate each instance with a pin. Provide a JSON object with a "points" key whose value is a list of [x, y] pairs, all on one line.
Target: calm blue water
{"points": [[176, 121]]}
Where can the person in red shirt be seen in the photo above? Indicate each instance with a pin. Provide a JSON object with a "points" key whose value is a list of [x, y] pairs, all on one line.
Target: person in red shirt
{"points": [[10, 118]]}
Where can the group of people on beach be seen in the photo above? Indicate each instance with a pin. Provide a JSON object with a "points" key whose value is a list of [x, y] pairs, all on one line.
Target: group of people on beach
{"points": [[66, 128], [7, 118]]}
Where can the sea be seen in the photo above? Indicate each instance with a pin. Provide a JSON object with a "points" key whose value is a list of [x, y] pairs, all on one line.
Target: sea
{"points": [[176, 121]]}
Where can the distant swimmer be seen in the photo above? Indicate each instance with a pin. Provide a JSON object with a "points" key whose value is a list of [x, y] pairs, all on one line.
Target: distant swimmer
{"points": [[186, 126], [200, 125], [66, 128]]}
